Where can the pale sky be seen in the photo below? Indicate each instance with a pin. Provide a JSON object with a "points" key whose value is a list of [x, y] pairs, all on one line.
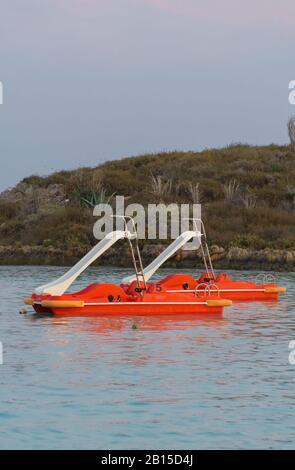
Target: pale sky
{"points": [[90, 80]]}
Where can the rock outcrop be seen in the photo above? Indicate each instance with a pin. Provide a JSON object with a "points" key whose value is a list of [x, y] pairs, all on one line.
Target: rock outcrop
{"points": [[30, 198], [235, 257]]}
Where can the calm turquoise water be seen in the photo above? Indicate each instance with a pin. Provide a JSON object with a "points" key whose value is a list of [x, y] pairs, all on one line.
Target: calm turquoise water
{"points": [[93, 383]]}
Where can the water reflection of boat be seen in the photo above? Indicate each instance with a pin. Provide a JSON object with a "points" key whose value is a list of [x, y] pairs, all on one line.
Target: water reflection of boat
{"points": [[108, 324]]}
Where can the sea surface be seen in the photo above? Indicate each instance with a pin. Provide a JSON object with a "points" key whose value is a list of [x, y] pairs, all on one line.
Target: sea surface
{"points": [[142, 383]]}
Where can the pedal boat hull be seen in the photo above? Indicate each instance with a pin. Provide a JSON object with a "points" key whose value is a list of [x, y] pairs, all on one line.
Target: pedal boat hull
{"points": [[223, 286], [110, 299]]}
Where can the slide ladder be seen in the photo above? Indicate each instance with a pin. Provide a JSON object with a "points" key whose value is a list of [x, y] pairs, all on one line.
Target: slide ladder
{"points": [[139, 275]]}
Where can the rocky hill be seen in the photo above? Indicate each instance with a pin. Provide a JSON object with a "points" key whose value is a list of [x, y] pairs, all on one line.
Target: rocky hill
{"points": [[247, 195]]}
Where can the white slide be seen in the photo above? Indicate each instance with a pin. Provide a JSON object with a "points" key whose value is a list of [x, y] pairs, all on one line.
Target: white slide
{"points": [[60, 285], [178, 243]]}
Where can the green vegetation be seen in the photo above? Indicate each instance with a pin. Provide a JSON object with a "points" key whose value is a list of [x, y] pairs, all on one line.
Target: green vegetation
{"points": [[247, 195]]}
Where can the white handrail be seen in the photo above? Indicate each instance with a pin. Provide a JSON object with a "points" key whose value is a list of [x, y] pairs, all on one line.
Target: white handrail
{"points": [[204, 235]]}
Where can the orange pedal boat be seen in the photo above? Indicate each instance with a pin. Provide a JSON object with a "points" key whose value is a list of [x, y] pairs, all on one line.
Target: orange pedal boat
{"points": [[111, 299], [132, 298], [208, 283]]}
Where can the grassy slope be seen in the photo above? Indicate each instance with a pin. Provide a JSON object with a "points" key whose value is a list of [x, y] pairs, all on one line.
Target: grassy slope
{"points": [[259, 212]]}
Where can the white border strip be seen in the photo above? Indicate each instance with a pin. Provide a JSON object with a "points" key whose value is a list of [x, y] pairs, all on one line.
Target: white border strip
{"points": [[144, 303], [198, 291]]}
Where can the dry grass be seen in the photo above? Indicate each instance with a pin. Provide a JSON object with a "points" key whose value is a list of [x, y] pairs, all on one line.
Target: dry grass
{"points": [[291, 132], [244, 190], [194, 191], [231, 190], [159, 187]]}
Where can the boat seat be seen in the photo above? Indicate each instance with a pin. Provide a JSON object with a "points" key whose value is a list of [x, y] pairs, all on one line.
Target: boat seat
{"points": [[133, 289], [101, 290], [178, 281], [205, 277], [223, 277]]}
